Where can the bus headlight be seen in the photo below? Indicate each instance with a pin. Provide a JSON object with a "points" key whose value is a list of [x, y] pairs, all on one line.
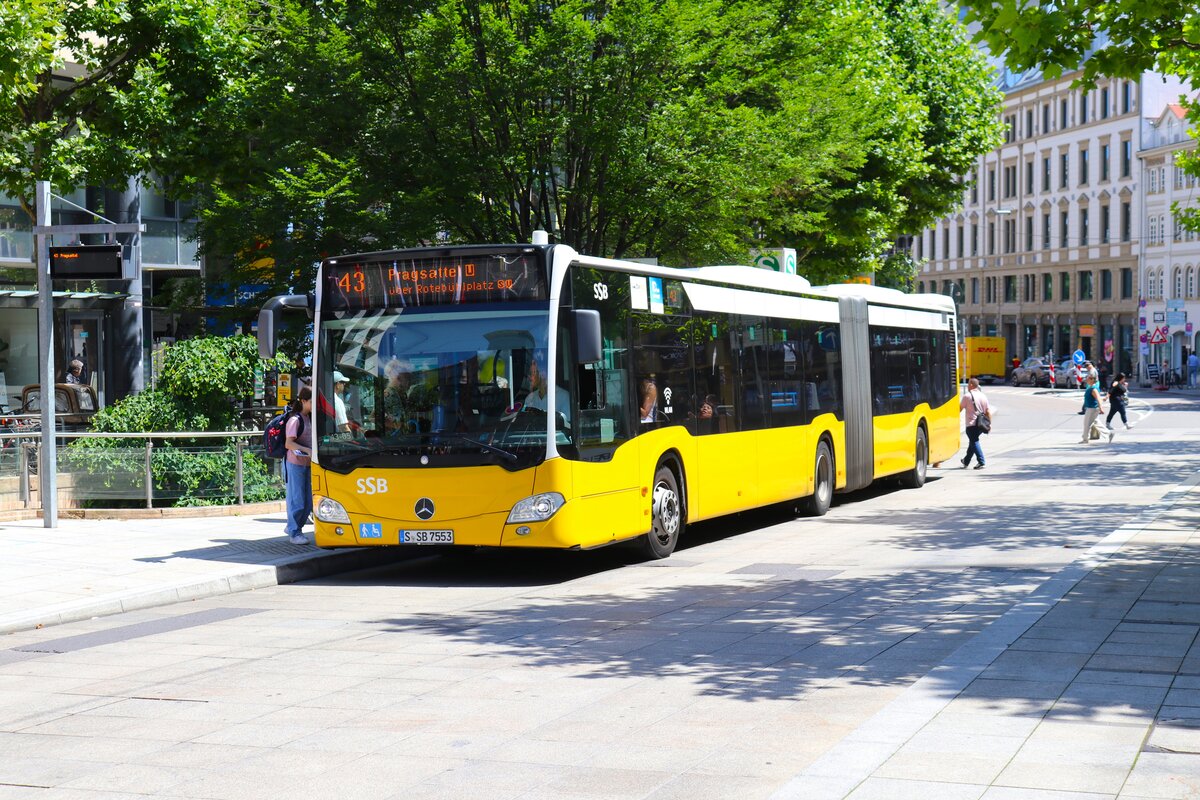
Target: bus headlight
{"points": [[332, 511], [538, 508]]}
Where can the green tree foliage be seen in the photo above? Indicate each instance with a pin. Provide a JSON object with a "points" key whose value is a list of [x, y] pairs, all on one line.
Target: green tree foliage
{"points": [[688, 130], [139, 70], [201, 381]]}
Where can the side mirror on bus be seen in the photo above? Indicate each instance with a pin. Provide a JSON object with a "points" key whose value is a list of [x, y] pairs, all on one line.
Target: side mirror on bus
{"points": [[586, 325], [269, 320]]}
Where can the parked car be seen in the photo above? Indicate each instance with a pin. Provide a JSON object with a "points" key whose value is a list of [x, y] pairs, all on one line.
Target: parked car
{"points": [[1033, 372], [76, 402], [1066, 375]]}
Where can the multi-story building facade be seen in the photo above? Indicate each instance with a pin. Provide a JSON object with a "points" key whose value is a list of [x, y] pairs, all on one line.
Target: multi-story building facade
{"points": [[1169, 309], [1045, 249]]}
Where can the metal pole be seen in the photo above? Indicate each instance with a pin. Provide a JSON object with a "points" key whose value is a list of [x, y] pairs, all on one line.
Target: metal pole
{"points": [[48, 457], [23, 467], [241, 487], [149, 474]]}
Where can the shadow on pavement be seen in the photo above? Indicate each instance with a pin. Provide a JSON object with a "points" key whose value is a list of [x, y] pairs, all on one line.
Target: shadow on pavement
{"points": [[754, 635]]}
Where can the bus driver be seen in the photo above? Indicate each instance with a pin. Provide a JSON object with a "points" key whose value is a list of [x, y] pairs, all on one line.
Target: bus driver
{"points": [[536, 399]]}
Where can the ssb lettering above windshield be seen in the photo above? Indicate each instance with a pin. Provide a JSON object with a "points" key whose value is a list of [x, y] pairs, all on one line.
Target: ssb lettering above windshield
{"points": [[400, 283]]}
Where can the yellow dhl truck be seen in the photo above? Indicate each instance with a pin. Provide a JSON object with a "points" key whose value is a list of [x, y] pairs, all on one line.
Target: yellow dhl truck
{"points": [[983, 358]]}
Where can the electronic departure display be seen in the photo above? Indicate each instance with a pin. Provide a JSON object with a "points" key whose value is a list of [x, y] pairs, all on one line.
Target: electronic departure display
{"points": [[389, 280]]}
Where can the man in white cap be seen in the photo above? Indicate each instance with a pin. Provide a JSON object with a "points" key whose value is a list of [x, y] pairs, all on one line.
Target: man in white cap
{"points": [[340, 420]]}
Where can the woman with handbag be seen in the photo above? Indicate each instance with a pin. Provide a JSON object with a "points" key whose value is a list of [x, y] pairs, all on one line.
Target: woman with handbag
{"points": [[979, 421], [1093, 407]]}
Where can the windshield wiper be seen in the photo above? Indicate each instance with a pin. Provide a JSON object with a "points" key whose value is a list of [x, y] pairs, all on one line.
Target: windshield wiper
{"points": [[354, 458], [491, 448]]}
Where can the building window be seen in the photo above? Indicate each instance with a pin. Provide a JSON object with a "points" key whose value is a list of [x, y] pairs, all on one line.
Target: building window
{"points": [[974, 188], [1046, 231], [946, 242], [1191, 285], [991, 242], [1045, 118], [1104, 153], [1062, 114], [1106, 284], [1046, 174], [1083, 166], [1010, 288], [1029, 122], [1104, 103], [1177, 283], [1063, 230], [988, 292], [974, 290], [1028, 177], [974, 238], [992, 183], [1083, 227], [1126, 221], [1065, 167], [961, 253], [1047, 287], [1029, 233], [1104, 232], [1064, 286], [1083, 111], [1126, 97], [1010, 175], [920, 287], [1126, 283], [1085, 285], [1126, 157]]}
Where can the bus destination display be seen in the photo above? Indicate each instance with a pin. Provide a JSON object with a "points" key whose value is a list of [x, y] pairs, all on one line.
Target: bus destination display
{"points": [[457, 280]]}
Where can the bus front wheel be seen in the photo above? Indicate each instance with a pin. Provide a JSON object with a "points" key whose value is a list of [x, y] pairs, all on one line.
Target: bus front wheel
{"points": [[916, 478], [818, 503], [666, 513]]}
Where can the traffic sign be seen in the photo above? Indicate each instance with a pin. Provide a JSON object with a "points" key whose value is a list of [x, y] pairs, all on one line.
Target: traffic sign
{"points": [[1158, 337], [1078, 357]]}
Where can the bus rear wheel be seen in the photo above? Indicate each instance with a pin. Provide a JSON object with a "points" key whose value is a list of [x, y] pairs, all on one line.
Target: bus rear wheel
{"points": [[916, 478], [666, 515], [818, 503]]}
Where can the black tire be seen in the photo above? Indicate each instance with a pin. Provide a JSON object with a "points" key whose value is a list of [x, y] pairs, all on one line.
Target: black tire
{"points": [[816, 504], [915, 479], [666, 515]]}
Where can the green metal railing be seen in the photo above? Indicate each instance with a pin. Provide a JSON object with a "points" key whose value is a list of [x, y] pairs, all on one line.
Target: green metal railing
{"points": [[171, 467]]}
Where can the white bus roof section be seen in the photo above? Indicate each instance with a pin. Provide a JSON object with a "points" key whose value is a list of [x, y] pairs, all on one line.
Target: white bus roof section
{"points": [[736, 275], [879, 294]]}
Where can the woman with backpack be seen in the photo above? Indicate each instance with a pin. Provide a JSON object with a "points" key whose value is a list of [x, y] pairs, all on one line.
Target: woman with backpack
{"points": [[297, 467]]}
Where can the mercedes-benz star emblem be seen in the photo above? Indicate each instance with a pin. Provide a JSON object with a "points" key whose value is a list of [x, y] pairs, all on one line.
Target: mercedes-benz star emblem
{"points": [[424, 508]]}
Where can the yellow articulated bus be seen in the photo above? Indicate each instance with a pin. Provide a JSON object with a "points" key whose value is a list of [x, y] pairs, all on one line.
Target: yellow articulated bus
{"points": [[530, 396]]}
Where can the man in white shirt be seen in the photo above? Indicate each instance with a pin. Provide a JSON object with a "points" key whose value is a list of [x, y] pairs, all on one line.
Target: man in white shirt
{"points": [[340, 420]]}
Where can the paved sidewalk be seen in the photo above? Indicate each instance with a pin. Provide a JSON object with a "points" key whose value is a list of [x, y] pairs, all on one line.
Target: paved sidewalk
{"points": [[1089, 689], [88, 568]]}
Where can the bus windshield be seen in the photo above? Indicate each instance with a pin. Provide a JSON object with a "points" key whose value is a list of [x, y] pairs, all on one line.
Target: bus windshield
{"points": [[441, 388]]}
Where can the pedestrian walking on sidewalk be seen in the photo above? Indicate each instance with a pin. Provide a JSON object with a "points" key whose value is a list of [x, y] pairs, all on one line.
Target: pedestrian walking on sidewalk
{"points": [[1118, 400], [1089, 373], [1193, 365], [975, 404], [298, 467], [1092, 407]]}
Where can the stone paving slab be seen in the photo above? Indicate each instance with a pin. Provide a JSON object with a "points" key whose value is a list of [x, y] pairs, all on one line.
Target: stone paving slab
{"points": [[88, 568], [1075, 692]]}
